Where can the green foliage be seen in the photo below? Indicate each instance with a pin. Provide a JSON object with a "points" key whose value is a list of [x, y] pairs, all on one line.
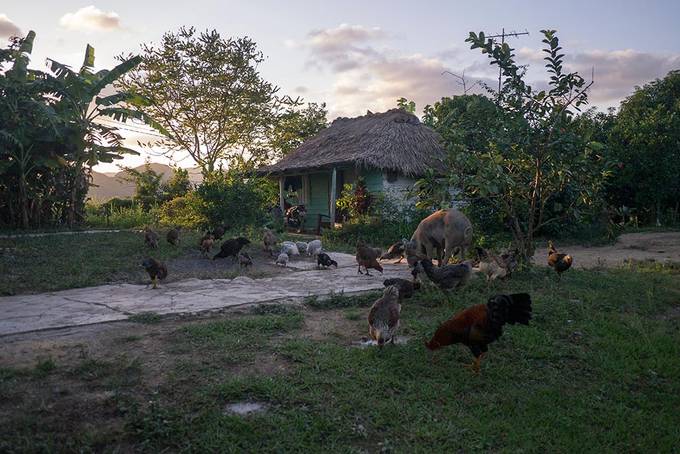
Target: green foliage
{"points": [[210, 101], [526, 161], [354, 200], [645, 139], [405, 104], [50, 137], [119, 215], [295, 125], [147, 185], [187, 211], [236, 199], [178, 185]]}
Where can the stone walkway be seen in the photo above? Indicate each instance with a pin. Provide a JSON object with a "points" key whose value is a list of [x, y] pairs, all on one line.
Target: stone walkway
{"points": [[106, 303]]}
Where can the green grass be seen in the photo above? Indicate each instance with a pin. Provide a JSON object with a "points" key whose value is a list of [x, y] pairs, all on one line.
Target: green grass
{"points": [[597, 370], [56, 262]]}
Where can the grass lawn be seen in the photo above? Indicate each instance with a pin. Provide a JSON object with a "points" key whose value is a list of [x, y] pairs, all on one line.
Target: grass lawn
{"points": [[56, 262], [598, 370]]}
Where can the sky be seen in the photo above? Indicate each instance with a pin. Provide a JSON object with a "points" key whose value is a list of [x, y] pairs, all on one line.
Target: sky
{"points": [[364, 55]]}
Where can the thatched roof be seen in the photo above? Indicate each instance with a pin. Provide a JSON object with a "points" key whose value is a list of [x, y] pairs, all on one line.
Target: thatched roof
{"points": [[394, 140]]}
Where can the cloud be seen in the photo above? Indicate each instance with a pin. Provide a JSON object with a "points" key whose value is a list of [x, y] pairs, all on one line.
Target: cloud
{"points": [[342, 47], [301, 89], [90, 18], [7, 27], [367, 78], [617, 72]]}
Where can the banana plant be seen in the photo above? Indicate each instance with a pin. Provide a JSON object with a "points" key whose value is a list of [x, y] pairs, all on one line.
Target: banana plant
{"points": [[82, 105]]}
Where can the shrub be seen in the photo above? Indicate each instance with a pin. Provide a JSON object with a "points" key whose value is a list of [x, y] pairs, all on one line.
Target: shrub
{"points": [[184, 211], [236, 199], [119, 215]]}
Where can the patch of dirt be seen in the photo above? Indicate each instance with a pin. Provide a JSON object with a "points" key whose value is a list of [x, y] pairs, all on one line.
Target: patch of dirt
{"points": [[322, 324], [661, 247], [195, 265]]}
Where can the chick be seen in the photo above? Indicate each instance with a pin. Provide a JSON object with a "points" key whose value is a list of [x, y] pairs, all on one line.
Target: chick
{"points": [[206, 244], [559, 262], [406, 287], [383, 318], [491, 265], [282, 259], [368, 258], [324, 260], [173, 236], [244, 260], [156, 269], [150, 238]]}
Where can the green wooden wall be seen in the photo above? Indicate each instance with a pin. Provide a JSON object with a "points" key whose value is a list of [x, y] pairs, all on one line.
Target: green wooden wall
{"points": [[319, 187]]}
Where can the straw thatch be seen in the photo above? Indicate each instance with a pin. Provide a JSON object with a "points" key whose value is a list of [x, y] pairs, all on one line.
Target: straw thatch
{"points": [[393, 141]]}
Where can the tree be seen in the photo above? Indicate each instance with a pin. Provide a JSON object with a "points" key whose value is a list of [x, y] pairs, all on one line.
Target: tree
{"points": [[178, 185], [405, 104], [296, 125], [147, 185], [207, 93], [529, 165], [646, 141]]}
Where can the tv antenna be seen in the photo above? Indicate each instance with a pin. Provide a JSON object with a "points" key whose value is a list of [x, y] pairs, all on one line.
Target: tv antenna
{"points": [[502, 36]]}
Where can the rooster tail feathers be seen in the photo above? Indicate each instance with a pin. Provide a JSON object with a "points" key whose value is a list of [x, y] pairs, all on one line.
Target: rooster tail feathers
{"points": [[520, 308]]}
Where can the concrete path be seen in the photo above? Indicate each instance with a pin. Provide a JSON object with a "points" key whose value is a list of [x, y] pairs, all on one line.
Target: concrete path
{"points": [[105, 303]]}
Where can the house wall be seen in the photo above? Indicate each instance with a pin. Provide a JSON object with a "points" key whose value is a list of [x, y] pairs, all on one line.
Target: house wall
{"points": [[318, 198]]}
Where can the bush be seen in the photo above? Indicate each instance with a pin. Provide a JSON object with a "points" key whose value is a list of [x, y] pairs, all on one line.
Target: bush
{"points": [[118, 215], [236, 199], [184, 211]]}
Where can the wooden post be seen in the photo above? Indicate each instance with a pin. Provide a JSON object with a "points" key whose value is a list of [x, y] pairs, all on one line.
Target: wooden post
{"points": [[333, 195], [282, 199]]}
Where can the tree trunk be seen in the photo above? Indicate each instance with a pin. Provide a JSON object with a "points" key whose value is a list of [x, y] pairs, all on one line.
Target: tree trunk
{"points": [[23, 200]]}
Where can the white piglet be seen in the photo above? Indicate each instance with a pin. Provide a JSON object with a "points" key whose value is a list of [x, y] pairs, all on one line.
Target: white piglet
{"points": [[282, 259], [290, 248]]}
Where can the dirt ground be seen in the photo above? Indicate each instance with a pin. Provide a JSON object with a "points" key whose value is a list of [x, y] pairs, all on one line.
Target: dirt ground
{"points": [[647, 246]]}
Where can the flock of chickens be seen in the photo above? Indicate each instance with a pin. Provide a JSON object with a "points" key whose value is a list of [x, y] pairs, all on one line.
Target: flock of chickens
{"points": [[475, 327]]}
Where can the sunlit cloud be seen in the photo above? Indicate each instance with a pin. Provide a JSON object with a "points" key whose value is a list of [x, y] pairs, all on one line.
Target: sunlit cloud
{"points": [[7, 27], [90, 18]]}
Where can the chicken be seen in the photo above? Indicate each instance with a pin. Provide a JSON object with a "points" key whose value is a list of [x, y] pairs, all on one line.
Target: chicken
{"points": [[173, 236], [313, 248], [492, 266], [368, 258], [218, 232], [383, 318], [290, 248], [406, 287], [282, 259], [150, 238], [447, 276], [244, 260], [269, 240], [324, 260], [511, 260], [231, 248], [302, 246], [559, 262], [206, 244], [478, 326], [157, 270], [398, 249]]}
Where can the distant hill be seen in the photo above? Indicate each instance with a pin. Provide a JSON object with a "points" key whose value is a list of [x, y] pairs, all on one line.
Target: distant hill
{"points": [[109, 185]]}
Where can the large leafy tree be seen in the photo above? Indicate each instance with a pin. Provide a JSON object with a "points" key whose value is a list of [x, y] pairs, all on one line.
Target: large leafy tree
{"points": [[528, 163], [646, 141], [207, 93]]}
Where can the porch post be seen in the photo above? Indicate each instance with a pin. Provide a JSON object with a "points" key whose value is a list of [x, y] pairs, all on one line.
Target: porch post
{"points": [[282, 200], [333, 195]]}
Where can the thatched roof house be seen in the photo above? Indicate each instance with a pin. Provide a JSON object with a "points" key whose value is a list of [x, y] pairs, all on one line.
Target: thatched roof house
{"points": [[388, 149]]}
